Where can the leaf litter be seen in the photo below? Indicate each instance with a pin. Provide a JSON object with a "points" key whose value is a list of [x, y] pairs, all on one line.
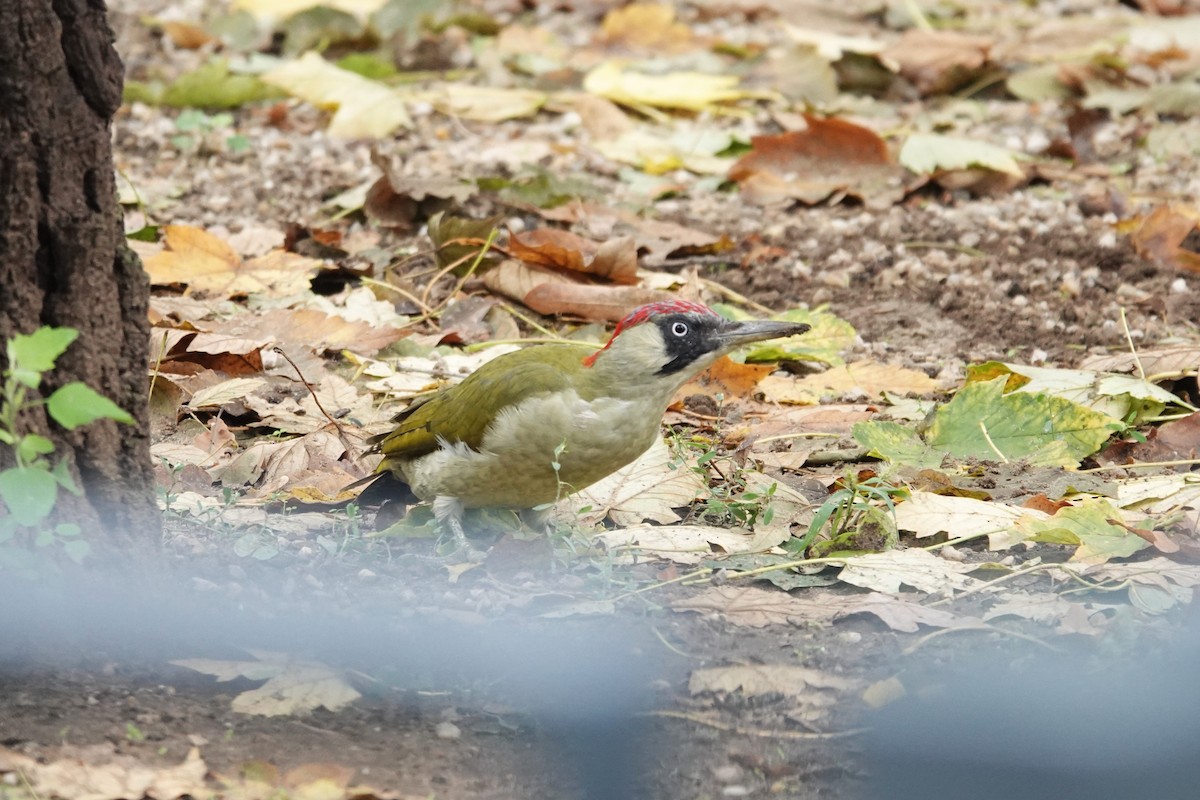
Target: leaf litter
{"points": [[665, 134]]}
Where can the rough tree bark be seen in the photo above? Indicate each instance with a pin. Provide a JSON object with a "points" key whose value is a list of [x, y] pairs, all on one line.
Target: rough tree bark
{"points": [[63, 261]]}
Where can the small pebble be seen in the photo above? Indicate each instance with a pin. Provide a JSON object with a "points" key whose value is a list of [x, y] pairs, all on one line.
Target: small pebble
{"points": [[447, 730], [728, 773], [736, 790]]}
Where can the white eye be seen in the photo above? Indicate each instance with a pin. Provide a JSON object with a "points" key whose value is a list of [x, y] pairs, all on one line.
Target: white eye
{"points": [[679, 329]]}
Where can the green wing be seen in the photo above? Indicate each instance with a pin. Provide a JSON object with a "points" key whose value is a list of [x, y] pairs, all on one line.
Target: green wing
{"points": [[463, 412]]}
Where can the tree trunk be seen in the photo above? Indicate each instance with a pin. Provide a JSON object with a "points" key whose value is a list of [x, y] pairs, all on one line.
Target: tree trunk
{"points": [[63, 260]]}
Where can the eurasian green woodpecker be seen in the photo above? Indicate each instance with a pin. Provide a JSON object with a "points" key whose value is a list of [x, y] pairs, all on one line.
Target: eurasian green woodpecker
{"points": [[531, 426]]}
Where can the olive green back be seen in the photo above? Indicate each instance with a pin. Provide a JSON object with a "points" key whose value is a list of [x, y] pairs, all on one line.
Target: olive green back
{"points": [[462, 413]]}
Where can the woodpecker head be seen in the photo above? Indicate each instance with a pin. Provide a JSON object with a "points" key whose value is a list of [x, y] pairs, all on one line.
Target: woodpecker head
{"points": [[669, 341]]}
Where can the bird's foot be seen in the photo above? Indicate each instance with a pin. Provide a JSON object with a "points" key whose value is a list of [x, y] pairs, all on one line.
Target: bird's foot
{"points": [[449, 513]]}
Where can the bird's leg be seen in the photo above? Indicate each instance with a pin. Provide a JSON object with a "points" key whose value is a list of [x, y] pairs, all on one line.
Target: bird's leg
{"points": [[448, 512], [537, 519]]}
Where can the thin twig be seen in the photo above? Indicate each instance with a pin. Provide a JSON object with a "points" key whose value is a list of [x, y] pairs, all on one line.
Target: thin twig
{"points": [[730, 294], [337, 426], [1132, 350], [661, 584], [919, 643], [407, 295]]}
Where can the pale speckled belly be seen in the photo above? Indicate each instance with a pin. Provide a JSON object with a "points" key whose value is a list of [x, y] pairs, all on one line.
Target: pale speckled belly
{"points": [[514, 465]]}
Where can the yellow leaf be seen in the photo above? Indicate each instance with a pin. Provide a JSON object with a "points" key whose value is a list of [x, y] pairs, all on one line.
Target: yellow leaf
{"points": [[692, 91], [282, 9], [209, 265], [487, 103], [363, 108]]}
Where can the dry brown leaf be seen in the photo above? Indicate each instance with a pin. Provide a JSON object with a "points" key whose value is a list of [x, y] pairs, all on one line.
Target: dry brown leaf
{"points": [[603, 119], [681, 544], [727, 378], [829, 157], [401, 201], [938, 62], [647, 27], [614, 259], [1159, 237], [920, 569], [292, 686], [310, 329], [97, 773], [1174, 361], [758, 608], [897, 613], [185, 35], [208, 265], [648, 488], [228, 391], [589, 301], [869, 377], [516, 279], [338, 397], [928, 514], [756, 680]]}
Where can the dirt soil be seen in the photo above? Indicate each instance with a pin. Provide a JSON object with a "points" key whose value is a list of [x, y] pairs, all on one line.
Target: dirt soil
{"points": [[456, 707]]}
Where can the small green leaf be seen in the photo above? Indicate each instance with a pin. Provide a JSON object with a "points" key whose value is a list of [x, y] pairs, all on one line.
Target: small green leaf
{"points": [[78, 404], [31, 446], [38, 351], [62, 474], [7, 438], [146, 233], [67, 530], [28, 493], [894, 442]]}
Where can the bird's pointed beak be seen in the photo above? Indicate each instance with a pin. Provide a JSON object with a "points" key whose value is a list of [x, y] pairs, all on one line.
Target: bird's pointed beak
{"points": [[736, 334]]}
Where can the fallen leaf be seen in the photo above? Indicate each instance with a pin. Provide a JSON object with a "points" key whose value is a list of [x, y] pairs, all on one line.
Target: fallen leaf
{"points": [[484, 103], [281, 9], [591, 302], [362, 108], [756, 680], [681, 544], [208, 265], [939, 61], [922, 570], [830, 156], [1174, 361], [614, 259], [691, 91], [758, 608], [1159, 236], [960, 163], [645, 26], [899, 614], [651, 487], [727, 378], [292, 686], [928, 514], [869, 378], [224, 392], [99, 774], [1093, 525]]}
